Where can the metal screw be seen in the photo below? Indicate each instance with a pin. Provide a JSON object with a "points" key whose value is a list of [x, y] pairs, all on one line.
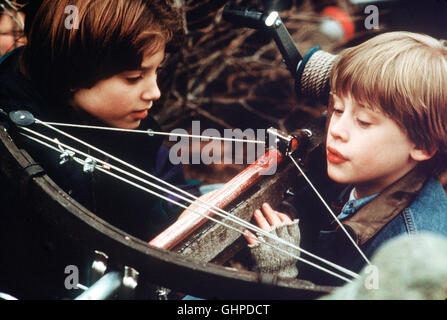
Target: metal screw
{"points": [[89, 165]]}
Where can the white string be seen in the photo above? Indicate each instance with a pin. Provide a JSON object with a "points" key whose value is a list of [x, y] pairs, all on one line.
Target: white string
{"points": [[330, 211], [192, 196], [152, 132], [231, 217], [171, 200]]}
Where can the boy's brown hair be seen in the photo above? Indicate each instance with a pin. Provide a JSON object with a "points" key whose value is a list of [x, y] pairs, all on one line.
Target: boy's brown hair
{"points": [[112, 37], [403, 75]]}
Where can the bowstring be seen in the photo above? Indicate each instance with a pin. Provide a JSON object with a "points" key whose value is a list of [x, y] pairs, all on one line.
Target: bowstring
{"points": [[152, 132]]}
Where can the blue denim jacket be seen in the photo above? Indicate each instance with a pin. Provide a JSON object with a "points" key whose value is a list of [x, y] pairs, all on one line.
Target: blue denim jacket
{"points": [[427, 213]]}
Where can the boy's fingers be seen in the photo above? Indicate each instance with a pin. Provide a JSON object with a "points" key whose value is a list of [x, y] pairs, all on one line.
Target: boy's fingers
{"points": [[250, 237], [261, 221], [283, 217], [271, 215]]}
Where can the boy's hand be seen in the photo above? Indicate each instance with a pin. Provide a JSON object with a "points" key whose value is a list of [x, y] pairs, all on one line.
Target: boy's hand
{"points": [[266, 258], [266, 220]]}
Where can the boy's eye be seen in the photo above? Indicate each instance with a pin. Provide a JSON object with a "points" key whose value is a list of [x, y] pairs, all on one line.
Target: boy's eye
{"points": [[363, 124], [338, 111], [133, 79]]}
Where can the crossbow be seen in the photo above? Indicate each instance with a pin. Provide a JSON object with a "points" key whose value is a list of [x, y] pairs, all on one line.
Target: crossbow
{"points": [[71, 228], [186, 257]]}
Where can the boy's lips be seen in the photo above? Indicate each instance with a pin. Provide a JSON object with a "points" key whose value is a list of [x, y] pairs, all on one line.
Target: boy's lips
{"points": [[334, 156], [140, 114]]}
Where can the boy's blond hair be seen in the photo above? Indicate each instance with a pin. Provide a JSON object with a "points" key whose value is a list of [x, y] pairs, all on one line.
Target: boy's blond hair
{"points": [[403, 75]]}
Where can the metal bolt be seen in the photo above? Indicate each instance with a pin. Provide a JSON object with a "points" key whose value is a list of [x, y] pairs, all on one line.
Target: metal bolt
{"points": [[289, 192], [89, 165], [66, 156], [130, 279]]}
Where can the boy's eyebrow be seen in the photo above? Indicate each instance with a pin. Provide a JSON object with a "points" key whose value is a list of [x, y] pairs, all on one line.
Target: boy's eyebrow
{"points": [[374, 113], [143, 68], [363, 106], [367, 107], [374, 110]]}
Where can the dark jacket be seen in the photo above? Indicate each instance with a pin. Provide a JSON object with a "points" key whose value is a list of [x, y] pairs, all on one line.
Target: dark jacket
{"points": [[130, 209]]}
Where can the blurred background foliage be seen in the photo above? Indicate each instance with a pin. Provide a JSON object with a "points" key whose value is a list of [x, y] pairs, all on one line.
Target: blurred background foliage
{"points": [[228, 77]]}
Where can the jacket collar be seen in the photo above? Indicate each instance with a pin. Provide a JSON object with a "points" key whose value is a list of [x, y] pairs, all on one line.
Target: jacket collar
{"points": [[373, 216]]}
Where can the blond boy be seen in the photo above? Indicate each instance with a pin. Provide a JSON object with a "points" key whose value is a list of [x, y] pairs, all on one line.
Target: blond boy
{"points": [[386, 139]]}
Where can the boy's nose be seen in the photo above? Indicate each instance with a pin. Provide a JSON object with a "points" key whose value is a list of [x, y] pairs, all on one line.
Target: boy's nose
{"points": [[338, 129], [151, 92]]}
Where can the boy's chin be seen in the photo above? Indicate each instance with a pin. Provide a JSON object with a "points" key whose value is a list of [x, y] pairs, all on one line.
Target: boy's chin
{"points": [[128, 125], [338, 177], [134, 126]]}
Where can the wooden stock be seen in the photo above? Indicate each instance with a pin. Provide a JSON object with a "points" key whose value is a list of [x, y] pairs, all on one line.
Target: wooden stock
{"points": [[190, 220]]}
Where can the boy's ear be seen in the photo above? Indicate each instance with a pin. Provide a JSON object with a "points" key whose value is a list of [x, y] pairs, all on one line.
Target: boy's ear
{"points": [[422, 154]]}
